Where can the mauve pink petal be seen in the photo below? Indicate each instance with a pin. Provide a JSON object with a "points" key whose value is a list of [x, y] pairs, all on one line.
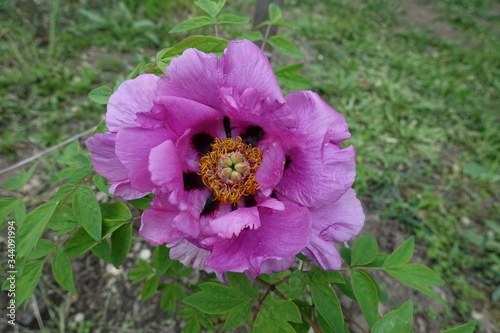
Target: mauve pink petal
{"points": [[104, 159], [282, 234], [124, 190], [245, 66], [157, 226], [133, 146], [271, 266], [186, 223], [230, 225], [189, 254], [194, 75], [165, 166], [271, 168], [323, 253], [317, 120], [316, 177], [131, 97], [182, 114], [339, 221], [271, 203]]}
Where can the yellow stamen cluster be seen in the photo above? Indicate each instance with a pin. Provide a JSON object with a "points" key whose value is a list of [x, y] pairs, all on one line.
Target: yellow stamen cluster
{"points": [[229, 169]]}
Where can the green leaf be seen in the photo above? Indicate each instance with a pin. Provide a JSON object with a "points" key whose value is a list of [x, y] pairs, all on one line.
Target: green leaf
{"points": [[277, 315], [63, 221], [346, 254], [346, 289], [102, 184], [63, 174], [142, 203], [274, 12], [192, 326], [161, 259], [63, 271], [63, 193], [397, 321], [306, 309], [366, 294], [80, 174], [140, 273], [327, 303], [298, 282], [42, 248], [19, 212], [87, 212], [178, 269], [283, 45], [193, 23], [202, 43], [121, 240], [103, 251], [241, 283], [21, 179], [402, 255], [212, 8], [285, 24], [31, 230], [232, 19], [289, 77], [150, 287], [215, 298], [172, 293], [466, 328], [364, 250], [318, 274], [26, 283], [79, 243], [8, 205], [237, 316], [417, 276], [252, 36], [117, 211], [100, 95]]}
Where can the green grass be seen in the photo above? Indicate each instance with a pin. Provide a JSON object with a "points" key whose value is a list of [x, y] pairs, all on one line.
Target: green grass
{"points": [[423, 109]]}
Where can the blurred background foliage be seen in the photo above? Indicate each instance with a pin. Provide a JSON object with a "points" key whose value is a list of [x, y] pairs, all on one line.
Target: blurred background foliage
{"points": [[418, 82]]}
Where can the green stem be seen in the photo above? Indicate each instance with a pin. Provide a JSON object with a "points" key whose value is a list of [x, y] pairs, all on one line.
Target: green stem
{"points": [[265, 37], [280, 295], [353, 321]]}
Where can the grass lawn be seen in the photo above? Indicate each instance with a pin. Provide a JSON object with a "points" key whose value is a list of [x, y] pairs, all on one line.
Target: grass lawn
{"points": [[418, 82]]}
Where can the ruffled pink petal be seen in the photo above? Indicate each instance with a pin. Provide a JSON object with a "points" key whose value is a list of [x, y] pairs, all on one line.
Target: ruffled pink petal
{"points": [[180, 114], [133, 147], [124, 190], [316, 177], [317, 120], [104, 159], [157, 226], [194, 75], [282, 234], [323, 253], [245, 66], [165, 166], [232, 224], [131, 97], [271, 168], [187, 224], [336, 222], [189, 254]]}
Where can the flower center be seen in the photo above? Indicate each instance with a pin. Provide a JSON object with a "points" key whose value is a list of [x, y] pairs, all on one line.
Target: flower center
{"points": [[229, 169]]}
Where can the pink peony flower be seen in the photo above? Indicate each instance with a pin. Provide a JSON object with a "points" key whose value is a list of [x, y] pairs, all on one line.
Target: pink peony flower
{"points": [[244, 178]]}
